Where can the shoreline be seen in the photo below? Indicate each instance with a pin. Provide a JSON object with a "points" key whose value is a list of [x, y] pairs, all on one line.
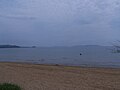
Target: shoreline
{"points": [[51, 77], [63, 65]]}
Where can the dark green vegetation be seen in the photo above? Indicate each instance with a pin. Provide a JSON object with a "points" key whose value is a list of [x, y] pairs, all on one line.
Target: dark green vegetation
{"points": [[118, 50], [117, 47], [8, 86]]}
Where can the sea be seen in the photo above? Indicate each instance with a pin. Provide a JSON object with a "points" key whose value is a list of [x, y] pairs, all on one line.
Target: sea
{"points": [[84, 55]]}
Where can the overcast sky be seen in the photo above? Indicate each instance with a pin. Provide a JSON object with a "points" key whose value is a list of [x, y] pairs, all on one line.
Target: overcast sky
{"points": [[59, 22]]}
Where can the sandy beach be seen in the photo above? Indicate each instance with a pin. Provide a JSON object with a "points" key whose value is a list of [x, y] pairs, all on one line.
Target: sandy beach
{"points": [[48, 77]]}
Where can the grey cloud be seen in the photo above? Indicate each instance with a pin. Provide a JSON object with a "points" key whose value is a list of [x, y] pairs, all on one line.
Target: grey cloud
{"points": [[59, 22], [17, 17]]}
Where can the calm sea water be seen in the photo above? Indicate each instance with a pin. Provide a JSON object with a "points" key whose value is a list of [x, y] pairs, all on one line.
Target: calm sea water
{"points": [[95, 56]]}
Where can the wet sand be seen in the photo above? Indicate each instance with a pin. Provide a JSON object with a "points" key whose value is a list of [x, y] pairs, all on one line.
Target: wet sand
{"points": [[48, 77]]}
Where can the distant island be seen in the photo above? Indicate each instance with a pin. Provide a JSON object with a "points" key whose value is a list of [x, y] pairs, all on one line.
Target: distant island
{"points": [[9, 46], [14, 46]]}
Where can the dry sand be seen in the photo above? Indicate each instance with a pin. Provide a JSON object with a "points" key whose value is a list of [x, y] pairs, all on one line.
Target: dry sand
{"points": [[46, 77]]}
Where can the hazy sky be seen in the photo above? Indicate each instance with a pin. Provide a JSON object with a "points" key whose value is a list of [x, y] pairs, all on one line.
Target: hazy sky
{"points": [[59, 22]]}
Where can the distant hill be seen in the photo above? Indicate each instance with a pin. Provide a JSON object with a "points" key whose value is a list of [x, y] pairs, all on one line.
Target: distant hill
{"points": [[15, 46], [9, 46]]}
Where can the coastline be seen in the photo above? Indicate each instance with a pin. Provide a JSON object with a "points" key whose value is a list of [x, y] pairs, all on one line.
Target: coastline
{"points": [[65, 65], [59, 77]]}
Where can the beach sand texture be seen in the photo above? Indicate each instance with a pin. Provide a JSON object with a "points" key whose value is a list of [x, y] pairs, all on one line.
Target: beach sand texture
{"points": [[48, 77]]}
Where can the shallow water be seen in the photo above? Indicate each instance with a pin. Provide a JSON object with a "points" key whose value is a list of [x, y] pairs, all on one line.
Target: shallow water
{"points": [[95, 56]]}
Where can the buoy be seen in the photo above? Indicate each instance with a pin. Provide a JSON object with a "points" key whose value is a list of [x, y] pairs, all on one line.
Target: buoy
{"points": [[80, 53]]}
